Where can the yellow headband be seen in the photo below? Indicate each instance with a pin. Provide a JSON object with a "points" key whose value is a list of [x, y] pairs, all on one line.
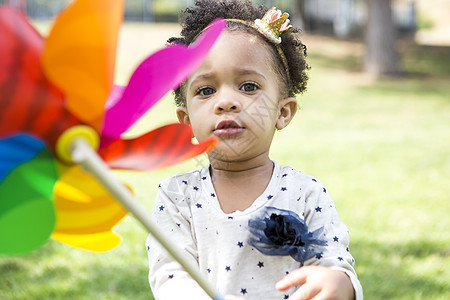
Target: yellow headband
{"points": [[277, 46]]}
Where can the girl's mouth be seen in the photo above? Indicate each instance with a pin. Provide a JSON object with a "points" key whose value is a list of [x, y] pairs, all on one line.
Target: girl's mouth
{"points": [[228, 127]]}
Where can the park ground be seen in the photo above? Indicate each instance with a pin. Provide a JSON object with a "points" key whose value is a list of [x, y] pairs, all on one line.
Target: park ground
{"points": [[381, 147]]}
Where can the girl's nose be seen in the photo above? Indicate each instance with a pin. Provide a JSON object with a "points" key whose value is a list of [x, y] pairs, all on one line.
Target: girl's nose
{"points": [[227, 103]]}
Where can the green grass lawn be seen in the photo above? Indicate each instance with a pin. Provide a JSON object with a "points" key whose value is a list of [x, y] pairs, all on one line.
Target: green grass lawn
{"points": [[383, 150]]}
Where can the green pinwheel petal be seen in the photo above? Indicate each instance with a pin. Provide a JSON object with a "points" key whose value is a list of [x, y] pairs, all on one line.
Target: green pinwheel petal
{"points": [[27, 214]]}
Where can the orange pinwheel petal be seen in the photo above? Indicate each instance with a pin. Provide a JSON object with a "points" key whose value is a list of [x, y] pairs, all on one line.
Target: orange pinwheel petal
{"points": [[85, 212], [162, 147], [80, 54]]}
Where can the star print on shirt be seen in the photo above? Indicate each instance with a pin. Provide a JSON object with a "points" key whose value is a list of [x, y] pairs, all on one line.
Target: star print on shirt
{"points": [[170, 276], [195, 188], [184, 181], [161, 208], [315, 180], [318, 209], [243, 291], [283, 189], [269, 197], [336, 239], [284, 175], [208, 270], [204, 178], [198, 205], [230, 218], [340, 258], [286, 296], [213, 195], [319, 255], [240, 244], [227, 268], [260, 264]]}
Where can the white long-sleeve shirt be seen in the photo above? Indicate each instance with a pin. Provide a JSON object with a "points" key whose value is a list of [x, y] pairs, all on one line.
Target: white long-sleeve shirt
{"points": [[187, 208]]}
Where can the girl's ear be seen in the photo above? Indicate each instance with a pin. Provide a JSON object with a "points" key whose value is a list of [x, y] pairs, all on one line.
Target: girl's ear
{"points": [[288, 108], [182, 115]]}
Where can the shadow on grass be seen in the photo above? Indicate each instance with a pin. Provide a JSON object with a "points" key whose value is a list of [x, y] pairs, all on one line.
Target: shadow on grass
{"points": [[417, 61], [46, 274], [403, 86], [389, 270], [349, 63], [420, 60]]}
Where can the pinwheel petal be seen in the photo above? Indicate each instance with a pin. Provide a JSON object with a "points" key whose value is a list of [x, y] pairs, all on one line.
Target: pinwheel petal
{"points": [[28, 175], [80, 55], [85, 212], [162, 147], [154, 77], [28, 101], [98, 242]]}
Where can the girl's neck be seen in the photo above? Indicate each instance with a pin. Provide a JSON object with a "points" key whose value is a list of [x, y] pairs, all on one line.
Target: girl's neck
{"points": [[240, 167], [239, 184]]}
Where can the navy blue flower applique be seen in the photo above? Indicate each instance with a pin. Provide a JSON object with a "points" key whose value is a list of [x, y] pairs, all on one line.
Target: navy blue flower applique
{"points": [[282, 232]]}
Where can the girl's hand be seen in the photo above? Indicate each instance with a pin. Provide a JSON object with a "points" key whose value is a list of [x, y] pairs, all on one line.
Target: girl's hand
{"points": [[318, 283]]}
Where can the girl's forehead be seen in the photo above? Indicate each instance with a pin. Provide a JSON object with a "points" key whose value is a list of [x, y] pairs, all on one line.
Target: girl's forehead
{"points": [[237, 46]]}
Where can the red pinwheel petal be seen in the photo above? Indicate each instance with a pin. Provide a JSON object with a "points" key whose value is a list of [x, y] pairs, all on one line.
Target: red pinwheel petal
{"points": [[28, 101], [162, 147]]}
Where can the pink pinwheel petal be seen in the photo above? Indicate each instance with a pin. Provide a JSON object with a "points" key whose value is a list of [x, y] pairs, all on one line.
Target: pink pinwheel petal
{"points": [[155, 76]]}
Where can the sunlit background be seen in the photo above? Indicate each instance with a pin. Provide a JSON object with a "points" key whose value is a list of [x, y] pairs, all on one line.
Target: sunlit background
{"points": [[374, 125]]}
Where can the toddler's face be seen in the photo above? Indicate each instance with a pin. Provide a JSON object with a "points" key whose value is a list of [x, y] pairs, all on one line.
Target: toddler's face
{"points": [[234, 96]]}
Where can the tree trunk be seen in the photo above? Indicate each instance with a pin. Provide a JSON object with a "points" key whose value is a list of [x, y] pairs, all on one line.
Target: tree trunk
{"points": [[381, 53], [299, 17]]}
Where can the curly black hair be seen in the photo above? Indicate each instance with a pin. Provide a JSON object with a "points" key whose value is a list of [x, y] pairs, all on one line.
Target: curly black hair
{"points": [[196, 18]]}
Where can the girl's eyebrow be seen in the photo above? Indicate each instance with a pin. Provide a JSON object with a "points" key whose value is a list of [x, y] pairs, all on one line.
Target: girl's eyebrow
{"points": [[202, 76], [243, 71]]}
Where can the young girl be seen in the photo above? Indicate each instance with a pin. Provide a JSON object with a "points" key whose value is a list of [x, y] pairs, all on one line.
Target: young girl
{"points": [[256, 229]]}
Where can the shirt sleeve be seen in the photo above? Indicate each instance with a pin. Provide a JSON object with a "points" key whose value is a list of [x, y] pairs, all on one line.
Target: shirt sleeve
{"points": [[167, 278], [320, 211]]}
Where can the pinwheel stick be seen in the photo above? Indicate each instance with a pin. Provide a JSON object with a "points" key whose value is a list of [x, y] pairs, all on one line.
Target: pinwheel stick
{"points": [[84, 155]]}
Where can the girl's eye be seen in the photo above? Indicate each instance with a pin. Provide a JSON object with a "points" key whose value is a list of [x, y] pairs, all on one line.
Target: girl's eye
{"points": [[205, 91], [249, 87]]}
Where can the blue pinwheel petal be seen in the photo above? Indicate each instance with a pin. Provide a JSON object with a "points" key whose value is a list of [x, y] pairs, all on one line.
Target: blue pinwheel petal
{"points": [[16, 150]]}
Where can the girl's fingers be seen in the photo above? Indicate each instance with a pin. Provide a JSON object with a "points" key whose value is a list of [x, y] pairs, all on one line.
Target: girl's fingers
{"points": [[305, 292], [294, 278]]}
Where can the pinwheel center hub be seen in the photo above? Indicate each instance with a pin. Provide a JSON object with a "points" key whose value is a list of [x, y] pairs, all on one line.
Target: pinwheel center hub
{"points": [[65, 141]]}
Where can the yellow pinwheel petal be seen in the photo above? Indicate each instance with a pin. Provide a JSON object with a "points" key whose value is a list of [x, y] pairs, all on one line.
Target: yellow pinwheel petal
{"points": [[99, 242], [85, 212], [80, 54]]}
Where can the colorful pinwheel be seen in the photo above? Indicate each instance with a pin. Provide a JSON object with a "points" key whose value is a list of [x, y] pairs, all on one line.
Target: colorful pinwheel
{"points": [[55, 89]]}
